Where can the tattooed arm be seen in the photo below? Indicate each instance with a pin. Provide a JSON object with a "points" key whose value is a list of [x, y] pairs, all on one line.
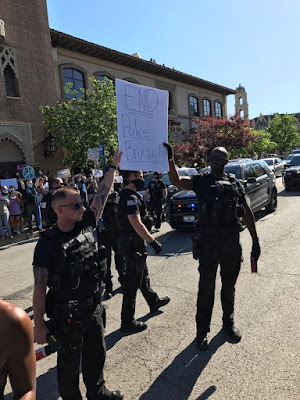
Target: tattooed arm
{"points": [[41, 275], [105, 187]]}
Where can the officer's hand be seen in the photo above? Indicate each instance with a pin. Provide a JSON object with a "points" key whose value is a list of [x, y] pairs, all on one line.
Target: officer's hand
{"points": [[117, 158], [40, 333], [169, 150], [255, 253], [156, 246]]}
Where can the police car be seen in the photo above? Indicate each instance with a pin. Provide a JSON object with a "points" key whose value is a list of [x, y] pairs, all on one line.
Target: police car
{"points": [[258, 181]]}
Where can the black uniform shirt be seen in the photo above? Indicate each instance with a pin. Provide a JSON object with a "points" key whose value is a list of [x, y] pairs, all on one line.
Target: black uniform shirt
{"points": [[211, 213], [49, 254], [130, 202], [156, 189]]}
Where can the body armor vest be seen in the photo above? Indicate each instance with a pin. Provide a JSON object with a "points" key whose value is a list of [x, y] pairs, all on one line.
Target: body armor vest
{"points": [[219, 205]]}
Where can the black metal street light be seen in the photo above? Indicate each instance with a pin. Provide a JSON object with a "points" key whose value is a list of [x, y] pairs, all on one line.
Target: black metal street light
{"points": [[50, 145]]}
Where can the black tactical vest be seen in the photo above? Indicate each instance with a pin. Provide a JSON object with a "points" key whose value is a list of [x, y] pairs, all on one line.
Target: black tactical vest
{"points": [[219, 202], [81, 266]]}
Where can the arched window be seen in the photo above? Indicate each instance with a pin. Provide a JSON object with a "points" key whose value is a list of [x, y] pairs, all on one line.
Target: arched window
{"points": [[8, 68], [194, 107], [10, 82], [242, 114], [218, 109], [171, 102], [206, 107], [71, 75], [132, 80], [241, 101], [102, 77]]}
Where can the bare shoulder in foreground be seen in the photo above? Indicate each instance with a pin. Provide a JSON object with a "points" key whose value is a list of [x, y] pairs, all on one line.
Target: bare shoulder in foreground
{"points": [[17, 357]]}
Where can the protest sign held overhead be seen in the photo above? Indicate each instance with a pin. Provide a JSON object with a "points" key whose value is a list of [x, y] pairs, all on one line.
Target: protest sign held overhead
{"points": [[142, 116]]}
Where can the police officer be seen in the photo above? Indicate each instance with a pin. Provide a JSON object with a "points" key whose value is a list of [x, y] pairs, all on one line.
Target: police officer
{"points": [[48, 215], [109, 237], [158, 192], [133, 238], [222, 205], [67, 260]]}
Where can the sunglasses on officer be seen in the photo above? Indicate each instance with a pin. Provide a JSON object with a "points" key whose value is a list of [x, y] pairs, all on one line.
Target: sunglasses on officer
{"points": [[76, 206]]}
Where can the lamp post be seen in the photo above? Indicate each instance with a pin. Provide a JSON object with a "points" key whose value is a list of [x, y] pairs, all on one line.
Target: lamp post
{"points": [[50, 145]]}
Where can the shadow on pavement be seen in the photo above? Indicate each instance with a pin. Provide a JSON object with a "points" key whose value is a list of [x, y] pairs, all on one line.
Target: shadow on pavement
{"points": [[117, 335], [173, 242], [176, 382], [47, 386], [292, 193]]}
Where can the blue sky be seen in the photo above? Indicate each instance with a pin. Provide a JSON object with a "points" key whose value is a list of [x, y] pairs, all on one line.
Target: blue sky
{"points": [[252, 42]]}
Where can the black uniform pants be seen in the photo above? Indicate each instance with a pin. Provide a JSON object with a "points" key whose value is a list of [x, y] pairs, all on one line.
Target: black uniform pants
{"points": [[109, 239], [92, 354], [226, 251], [155, 209], [136, 277]]}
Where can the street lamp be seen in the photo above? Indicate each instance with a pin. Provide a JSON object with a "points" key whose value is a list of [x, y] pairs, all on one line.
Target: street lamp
{"points": [[50, 145]]}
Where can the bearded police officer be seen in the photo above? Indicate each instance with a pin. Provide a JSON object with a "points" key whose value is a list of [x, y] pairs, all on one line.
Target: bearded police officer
{"points": [[109, 237], [158, 192], [133, 238], [67, 260], [221, 205]]}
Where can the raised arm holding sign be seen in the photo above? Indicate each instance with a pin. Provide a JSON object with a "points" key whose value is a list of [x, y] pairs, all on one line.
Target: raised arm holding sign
{"points": [[142, 116]]}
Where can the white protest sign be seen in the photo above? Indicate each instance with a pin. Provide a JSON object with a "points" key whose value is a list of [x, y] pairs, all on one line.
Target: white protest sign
{"points": [[93, 155], [142, 117], [97, 173], [64, 173]]}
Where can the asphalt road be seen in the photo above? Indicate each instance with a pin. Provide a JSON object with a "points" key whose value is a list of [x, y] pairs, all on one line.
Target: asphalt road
{"points": [[162, 363]]}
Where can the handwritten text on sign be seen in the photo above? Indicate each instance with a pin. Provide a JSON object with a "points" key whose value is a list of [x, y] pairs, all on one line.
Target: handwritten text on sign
{"points": [[142, 115]]}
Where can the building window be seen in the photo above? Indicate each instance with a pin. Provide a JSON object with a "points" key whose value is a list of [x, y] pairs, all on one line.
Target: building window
{"points": [[206, 107], [102, 77], [241, 101], [194, 108], [8, 68], [76, 78], [218, 109], [242, 114], [10, 82]]}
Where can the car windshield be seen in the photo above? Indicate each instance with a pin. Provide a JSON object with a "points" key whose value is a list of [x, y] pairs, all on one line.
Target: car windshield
{"points": [[295, 161], [269, 162], [290, 156], [231, 169]]}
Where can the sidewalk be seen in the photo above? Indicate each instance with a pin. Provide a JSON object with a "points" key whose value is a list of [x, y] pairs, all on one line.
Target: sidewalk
{"points": [[19, 238]]}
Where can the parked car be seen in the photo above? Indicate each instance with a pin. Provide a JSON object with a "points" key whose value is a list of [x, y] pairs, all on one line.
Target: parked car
{"points": [[259, 183], [297, 151], [288, 158], [291, 176], [276, 164]]}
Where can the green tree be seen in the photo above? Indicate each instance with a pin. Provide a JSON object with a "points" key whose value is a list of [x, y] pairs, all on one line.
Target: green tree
{"points": [[84, 122], [283, 131], [261, 144]]}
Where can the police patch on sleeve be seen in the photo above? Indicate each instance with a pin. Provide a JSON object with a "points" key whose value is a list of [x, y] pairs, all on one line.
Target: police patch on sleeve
{"points": [[131, 203]]}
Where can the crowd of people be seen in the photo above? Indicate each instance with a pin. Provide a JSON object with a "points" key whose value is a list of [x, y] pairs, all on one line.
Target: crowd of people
{"points": [[29, 201], [69, 264]]}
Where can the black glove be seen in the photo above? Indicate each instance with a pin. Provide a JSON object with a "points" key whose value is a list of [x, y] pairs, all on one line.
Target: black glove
{"points": [[255, 253], [169, 149], [156, 246]]}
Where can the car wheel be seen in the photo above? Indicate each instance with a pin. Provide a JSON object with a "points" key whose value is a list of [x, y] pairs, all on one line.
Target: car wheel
{"points": [[272, 206]]}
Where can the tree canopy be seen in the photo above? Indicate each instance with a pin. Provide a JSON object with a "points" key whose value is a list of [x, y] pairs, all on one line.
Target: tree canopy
{"points": [[231, 133], [84, 122], [283, 131]]}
